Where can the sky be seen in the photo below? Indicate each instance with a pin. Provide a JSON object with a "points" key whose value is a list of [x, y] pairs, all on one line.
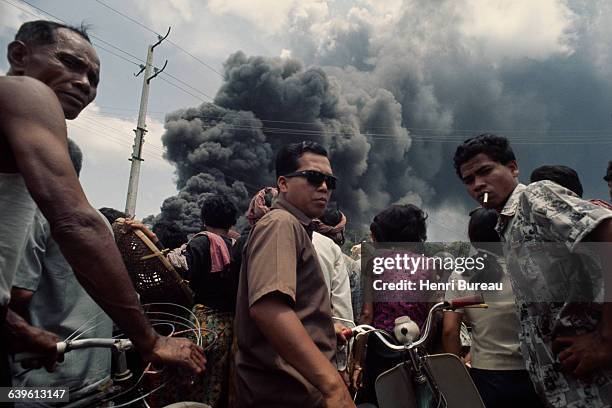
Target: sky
{"points": [[391, 87]]}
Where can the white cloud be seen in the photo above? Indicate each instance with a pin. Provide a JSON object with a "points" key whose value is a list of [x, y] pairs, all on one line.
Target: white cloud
{"points": [[212, 31], [165, 13], [285, 53], [107, 142], [518, 28], [492, 29], [268, 15], [12, 17]]}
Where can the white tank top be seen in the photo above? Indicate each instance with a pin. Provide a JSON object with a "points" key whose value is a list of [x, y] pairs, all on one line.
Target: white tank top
{"points": [[16, 216]]}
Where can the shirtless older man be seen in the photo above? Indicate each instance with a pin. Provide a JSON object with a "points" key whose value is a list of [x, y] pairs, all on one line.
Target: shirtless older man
{"points": [[53, 76]]}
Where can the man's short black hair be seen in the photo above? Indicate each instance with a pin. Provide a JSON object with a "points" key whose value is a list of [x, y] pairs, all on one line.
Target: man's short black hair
{"points": [[482, 226], [76, 155], [111, 214], [219, 212], [496, 147], [170, 234], [287, 157], [400, 223], [42, 32], [331, 217], [562, 175]]}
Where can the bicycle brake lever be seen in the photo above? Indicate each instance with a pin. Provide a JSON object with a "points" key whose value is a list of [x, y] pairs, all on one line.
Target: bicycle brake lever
{"points": [[123, 345]]}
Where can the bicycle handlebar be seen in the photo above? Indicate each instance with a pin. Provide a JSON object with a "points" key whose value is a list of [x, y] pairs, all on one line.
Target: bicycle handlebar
{"points": [[466, 301], [66, 346]]}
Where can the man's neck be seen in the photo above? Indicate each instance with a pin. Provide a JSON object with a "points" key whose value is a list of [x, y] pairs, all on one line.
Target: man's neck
{"points": [[501, 207]]}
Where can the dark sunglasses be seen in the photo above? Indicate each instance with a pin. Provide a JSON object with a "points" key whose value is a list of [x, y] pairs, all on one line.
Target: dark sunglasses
{"points": [[315, 178]]}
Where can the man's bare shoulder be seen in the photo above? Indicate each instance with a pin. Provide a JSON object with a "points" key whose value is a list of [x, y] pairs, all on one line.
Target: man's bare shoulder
{"points": [[26, 95]]}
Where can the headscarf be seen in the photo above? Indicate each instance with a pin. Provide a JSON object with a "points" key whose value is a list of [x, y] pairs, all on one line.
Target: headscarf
{"points": [[330, 230], [258, 207]]}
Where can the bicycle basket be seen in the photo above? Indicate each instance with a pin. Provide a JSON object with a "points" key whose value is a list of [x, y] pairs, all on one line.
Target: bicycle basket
{"points": [[154, 278]]}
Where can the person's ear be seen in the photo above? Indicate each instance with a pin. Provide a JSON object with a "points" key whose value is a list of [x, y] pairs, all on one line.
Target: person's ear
{"points": [[282, 184], [513, 166], [18, 54]]}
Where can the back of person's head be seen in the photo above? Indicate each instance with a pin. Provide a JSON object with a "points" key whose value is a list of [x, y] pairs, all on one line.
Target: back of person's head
{"points": [[608, 176], [170, 234], [497, 148], [42, 32], [400, 223], [482, 225], [332, 225], [331, 216], [111, 214], [76, 155], [562, 175], [287, 157], [483, 236], [219, 212]]}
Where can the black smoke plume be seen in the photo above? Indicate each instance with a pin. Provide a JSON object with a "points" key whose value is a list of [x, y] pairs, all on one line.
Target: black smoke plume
{"points": [[264, 103]]}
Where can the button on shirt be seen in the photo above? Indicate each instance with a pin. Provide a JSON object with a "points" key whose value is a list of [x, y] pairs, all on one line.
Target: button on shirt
{"points": [[279, 258], [540, 226]]}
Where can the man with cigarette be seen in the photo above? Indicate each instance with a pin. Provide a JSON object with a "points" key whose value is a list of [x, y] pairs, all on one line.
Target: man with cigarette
{"points": [[541, 226]]}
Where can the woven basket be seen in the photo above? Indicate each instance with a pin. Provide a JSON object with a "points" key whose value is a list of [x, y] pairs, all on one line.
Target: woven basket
{"points": [[154, 278]]}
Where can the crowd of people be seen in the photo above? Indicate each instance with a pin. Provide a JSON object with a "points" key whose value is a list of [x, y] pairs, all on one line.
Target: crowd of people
{"points": [[282, 292]]}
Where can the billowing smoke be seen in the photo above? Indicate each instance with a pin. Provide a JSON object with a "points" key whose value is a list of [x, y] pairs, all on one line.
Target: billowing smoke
{"points": [[391, 88], [265, 103], [537, 72], [216, 151]]}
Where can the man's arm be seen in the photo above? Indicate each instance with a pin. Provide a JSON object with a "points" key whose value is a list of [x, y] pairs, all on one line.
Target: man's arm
{"points": [[20, 301], [283, 329], [603, 234], [585, 353], [32, 121], [23, 337], [367, 313], [451, 327]]}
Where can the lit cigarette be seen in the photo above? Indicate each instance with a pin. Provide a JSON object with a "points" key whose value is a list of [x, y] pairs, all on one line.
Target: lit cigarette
{"points": [[485, 198]]}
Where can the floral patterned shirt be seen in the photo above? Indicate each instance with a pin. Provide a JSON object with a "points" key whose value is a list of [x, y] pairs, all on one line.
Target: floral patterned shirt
{"points": [[541, 226]]}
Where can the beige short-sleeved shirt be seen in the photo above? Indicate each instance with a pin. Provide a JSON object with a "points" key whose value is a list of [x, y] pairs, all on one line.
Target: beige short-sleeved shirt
{"points": [[279, 258], [495, 330]]}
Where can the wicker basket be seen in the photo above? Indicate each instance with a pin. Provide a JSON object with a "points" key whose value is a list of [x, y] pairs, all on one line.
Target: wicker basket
{"points": [[154, 278]]}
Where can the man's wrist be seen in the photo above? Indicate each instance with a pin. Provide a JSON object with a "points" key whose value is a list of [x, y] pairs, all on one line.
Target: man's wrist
{"points": [[604, 327], [332, 383], [145, 343]]}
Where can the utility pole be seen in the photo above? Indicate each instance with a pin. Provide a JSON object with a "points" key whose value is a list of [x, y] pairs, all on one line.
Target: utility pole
{"points": [[141, 127]]}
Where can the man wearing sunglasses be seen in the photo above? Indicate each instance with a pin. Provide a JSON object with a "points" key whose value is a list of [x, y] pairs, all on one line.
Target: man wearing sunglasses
{"points": [[286, 338]]}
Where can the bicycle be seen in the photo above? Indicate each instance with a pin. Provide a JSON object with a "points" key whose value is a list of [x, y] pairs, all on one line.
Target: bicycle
{"points": [[420, 380], [131, 384]]}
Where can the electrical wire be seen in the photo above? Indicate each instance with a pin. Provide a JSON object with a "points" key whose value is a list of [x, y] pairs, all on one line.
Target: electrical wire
{"points": [[133, 20]]}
